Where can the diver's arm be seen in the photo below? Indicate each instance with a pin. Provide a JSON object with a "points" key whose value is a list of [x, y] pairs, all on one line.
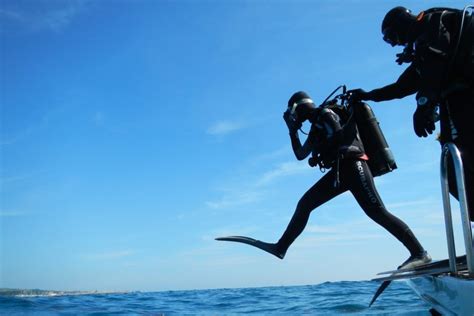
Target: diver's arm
{"points": [[332, 126], [326, 134], [301, 151], [407, 84]]}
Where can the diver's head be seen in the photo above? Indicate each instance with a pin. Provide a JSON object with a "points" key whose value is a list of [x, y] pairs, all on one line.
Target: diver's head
{"points": [[397, 26], [301, 107]]}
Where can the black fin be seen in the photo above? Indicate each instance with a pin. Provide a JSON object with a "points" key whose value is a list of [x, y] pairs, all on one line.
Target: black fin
{"points": [[432, 265], [411, 274], [379, 291], [270, 248]]}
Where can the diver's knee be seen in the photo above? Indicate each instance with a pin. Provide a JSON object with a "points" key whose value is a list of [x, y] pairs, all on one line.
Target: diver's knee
{"points": [[377, 214], [302, 207]]}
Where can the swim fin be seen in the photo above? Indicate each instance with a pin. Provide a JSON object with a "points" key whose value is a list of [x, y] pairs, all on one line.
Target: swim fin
{"points": [[441, 266], [379, 291], [268, 247], [461, 260]]}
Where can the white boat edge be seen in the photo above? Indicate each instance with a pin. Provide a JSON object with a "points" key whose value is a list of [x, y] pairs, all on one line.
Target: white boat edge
{"points": [[448, 295]]}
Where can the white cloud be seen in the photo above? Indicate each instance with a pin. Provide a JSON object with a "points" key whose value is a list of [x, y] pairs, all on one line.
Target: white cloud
{"points": [[252, 191], [229, 230], [339, 239], [224, 127], [235, 199], [12, 139], [12, 179], [11, 15], [346, 232], [11, 213], [282, 170], [41, 15], [322, 229], [277, 153], [410, 204]]}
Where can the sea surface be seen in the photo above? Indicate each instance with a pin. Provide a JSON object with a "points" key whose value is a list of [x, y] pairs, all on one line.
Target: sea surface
{"points": [[330, 298]]}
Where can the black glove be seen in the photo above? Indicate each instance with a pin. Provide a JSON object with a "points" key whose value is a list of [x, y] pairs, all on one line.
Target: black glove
{"points": [[316, 160], [358, 95], [293, 124], [404, 58], [424, 117], [407, 56]]}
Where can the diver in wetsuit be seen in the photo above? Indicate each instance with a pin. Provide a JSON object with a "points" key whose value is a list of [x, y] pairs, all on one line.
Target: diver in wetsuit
{"points": [[439, 45], [339, 149]]}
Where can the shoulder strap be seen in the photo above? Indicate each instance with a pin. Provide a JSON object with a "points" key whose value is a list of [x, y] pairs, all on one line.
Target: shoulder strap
{"points": [[439, 9]]}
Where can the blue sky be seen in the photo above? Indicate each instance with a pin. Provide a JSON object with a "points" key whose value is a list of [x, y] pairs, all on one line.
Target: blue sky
{"points": [[135, 132]]}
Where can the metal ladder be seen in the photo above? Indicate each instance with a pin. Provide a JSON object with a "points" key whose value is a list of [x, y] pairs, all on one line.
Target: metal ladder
{"points": [[449, 149]]}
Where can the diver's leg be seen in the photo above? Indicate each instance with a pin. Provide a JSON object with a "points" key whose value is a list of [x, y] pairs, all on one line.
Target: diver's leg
{"points": [[363, 188], [321, 192]]}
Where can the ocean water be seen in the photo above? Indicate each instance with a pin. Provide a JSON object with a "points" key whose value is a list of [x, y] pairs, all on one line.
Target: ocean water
{"points": [[330, 298]]}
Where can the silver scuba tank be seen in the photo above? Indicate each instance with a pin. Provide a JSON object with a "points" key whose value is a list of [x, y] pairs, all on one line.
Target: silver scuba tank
{"points": [[381, 159]]}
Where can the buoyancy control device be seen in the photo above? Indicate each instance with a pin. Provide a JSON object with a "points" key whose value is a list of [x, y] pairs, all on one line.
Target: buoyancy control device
{"points": [[381, 159]]}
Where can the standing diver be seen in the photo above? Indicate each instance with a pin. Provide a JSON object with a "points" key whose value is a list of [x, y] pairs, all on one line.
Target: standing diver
{"points": [[439, 45], [339, 149]]}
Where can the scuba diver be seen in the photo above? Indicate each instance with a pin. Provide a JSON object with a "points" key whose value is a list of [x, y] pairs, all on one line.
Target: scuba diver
{"points": [[439, 45], [333, 143]]}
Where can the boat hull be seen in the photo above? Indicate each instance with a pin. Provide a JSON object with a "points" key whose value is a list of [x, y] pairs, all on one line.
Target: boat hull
{"points": [[446, 294]]}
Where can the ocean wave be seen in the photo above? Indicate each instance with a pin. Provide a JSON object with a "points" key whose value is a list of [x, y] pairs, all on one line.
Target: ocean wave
{"points": [[330, 298], [50, 293]]}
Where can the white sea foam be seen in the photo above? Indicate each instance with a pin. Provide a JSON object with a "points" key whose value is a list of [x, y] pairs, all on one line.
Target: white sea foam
{"points": [[49, 293]]}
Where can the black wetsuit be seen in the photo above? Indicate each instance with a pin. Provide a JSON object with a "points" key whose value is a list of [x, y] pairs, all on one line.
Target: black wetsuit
{"points": [[339, 148], [444, 75]]}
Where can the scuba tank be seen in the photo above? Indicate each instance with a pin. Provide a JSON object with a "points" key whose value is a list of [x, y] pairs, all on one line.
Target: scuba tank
{"points": [[381, 159]]}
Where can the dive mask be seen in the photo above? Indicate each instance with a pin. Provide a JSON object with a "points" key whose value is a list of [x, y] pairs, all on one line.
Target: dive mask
{"points": [[293, 114], [391, 37]]}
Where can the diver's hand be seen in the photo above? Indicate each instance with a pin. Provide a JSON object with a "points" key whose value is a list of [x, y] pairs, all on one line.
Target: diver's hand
{"points": [[407, 56], [358, 95], [292, 124], [404, 58], [312, 162], [424, 117]]}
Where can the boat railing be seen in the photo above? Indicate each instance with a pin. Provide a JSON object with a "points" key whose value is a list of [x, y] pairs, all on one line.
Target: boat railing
{"points": [[450, 150]]}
